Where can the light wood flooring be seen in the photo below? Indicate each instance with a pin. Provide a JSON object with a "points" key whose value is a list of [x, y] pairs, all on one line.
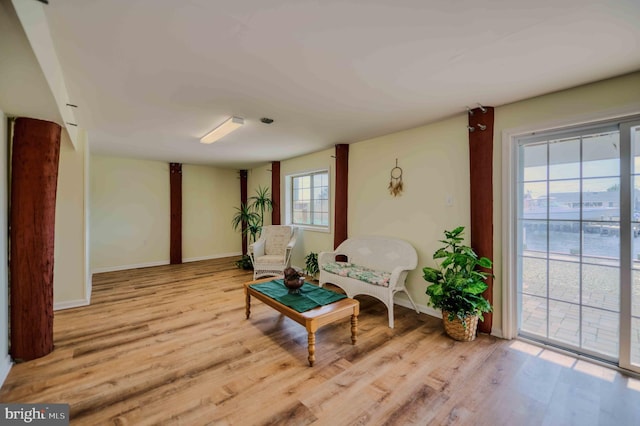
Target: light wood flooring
{"points": [[171, 345]]}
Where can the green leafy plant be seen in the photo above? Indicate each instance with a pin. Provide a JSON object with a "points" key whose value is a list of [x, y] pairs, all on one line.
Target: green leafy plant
{"points": [[311, 264], [244, 262], [245, 215], [261, 202], [457, 284], [251, 215], [250, 219]]}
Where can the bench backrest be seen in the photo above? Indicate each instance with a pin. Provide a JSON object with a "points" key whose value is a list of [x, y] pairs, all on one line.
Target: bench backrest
{"points": [[380, 253]]}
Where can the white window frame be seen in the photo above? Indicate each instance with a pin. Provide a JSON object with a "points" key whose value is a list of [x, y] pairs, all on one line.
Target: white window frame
{"points": [[289, 200], [509, 194]]}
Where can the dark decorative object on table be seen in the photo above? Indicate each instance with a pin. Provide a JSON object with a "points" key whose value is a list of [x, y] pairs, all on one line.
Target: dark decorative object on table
{"points": [[292, 280]]}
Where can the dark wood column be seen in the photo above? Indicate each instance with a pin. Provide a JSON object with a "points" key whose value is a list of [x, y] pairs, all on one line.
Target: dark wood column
{"points": [[275, 192], [175, 185], [481, 168], [243, 200], [34, 181], [341, 195]]}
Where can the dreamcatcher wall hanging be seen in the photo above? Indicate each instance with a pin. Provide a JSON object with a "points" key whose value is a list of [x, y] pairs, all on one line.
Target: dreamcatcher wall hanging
{"points": [[395, 184]]}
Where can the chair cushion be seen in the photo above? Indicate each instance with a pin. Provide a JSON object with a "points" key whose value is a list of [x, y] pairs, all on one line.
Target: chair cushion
{"points": [[276, 239], [271, 259], [346, 269]]}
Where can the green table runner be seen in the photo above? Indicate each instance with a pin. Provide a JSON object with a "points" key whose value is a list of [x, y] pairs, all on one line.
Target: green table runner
{"points": [[309, 297]]}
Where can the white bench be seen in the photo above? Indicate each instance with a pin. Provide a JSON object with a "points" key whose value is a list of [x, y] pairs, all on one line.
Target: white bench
{"points": [[376, 266]]}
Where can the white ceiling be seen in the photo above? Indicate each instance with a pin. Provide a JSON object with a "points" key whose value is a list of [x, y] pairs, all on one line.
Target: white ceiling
{"points": [[23, 89], [151, 77]]}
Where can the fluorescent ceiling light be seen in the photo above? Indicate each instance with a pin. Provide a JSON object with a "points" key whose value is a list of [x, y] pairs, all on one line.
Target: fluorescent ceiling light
{"points": [[222, 130]]}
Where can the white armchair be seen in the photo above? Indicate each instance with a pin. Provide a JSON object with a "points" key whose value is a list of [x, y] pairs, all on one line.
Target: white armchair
{"points": [[271, 254]]}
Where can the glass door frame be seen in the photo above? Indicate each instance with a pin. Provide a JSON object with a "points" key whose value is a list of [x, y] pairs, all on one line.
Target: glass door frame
{"points": [[627, 186], [510, 191]]}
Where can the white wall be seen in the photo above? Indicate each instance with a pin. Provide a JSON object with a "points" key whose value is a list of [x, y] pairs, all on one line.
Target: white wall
{"points": [[69, 274], [5, 359], [209, 196], [130, 214]]}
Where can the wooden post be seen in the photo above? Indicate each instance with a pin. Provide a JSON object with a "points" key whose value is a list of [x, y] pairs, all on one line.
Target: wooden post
{"points": [[481, 190], [342, 193], [175, 190], [34, 181], [243, 200], [275, 192]]}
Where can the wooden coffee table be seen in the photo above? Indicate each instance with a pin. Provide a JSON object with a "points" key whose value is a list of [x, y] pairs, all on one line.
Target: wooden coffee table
{"points": [[313, 319]]}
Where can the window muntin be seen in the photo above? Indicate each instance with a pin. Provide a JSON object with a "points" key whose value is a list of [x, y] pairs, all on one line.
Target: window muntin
{"points": [[310, 199]]}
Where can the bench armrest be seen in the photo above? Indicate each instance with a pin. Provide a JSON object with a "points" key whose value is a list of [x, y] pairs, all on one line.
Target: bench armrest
{"points": [[329, 256]]}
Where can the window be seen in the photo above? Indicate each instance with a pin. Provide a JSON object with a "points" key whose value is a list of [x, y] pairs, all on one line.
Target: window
{"points": [[309, 199], [577, 263]]}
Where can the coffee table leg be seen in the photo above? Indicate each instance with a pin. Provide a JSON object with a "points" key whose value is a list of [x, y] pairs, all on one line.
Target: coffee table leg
{"points": [[312, 348], [247, 303], [354, 329]]}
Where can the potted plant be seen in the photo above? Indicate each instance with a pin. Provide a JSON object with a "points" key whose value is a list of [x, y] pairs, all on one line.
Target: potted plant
{"points": [[457, 285], [250, 219], [311, 264]]}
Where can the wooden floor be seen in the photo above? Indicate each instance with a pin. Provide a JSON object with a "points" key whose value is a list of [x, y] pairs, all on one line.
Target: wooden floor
{"points": [[171, 345]]}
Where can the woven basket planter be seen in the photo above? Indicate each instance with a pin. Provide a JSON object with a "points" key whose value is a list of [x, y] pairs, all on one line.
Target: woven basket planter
{"points": [[456, 330]]}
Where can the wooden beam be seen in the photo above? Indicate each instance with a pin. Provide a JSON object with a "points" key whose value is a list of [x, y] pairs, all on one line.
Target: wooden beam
{"points": [[175, 183], [341, 194], [275, 192], [243, 200], [481, 190], [34, 181]]}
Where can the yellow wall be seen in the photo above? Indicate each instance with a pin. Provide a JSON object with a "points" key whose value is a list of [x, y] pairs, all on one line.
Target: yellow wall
{"points": [[5, 359], [69, 275], [130, 213], [435, 163], [129, 205], [308, 240], [209, 196], [435, 166], [258, 177]]}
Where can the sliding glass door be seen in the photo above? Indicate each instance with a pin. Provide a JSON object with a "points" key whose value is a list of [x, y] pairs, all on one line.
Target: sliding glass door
{"points": [[630, 345], [576, 240]]}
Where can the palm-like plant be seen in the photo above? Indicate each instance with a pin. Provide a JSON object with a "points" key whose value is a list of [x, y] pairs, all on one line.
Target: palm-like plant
{"points": [[261, 201], [250, 217], [247, 220]]}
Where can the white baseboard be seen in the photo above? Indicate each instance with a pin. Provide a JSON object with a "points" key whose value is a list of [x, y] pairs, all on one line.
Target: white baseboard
{"points": [[5, 367], [70, 304], [160, 263], [215, 256], [402, 300], [497, 332], [125, 267]]}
